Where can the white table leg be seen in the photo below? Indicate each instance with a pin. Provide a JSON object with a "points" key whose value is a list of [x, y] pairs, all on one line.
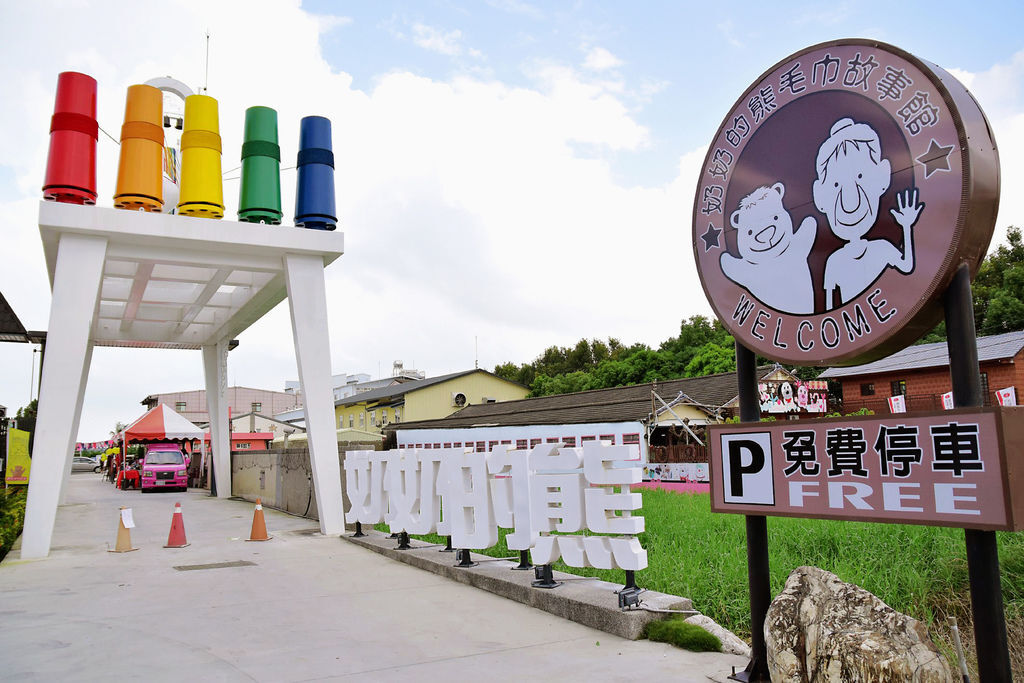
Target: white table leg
{"points": [[76, 286], [307, 299]]}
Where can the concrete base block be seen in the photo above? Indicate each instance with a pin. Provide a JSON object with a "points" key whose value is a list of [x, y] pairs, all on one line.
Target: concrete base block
{"points": [[590, 602]]}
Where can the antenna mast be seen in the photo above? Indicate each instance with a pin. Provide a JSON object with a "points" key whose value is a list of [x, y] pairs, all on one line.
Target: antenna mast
{"points": [[206, 70]]}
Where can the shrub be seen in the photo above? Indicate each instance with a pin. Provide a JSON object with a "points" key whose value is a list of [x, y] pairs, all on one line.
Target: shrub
{"points": [[12, 517], [680, 633]]}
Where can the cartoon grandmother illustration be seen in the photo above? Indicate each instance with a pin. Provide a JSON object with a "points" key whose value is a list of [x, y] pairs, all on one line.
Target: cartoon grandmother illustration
{"points": [[852, 177]]}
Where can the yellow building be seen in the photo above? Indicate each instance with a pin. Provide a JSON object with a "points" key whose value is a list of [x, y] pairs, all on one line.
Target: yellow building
{"points": [[425, 399]]}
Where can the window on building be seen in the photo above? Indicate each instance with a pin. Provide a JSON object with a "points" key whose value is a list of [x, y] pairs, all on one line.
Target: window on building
{"points": [[534, 443], [373, 418], [447, 445], [569, 441], [631, 438], [521, 443], [984, 389], [257, 407], [898, 387], [553, 439], [867, 389], [481, 446], [610, 438], [588, 438], [341, 421], [383, 415], [244, 446], [457, 444], [362, 420], [398, 415], [351, 420], [491, 445], [180, 406]]}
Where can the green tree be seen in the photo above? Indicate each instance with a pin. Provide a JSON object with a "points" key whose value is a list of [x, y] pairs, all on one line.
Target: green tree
{"points": [[712, 358], [998, 291], [999, 288]]}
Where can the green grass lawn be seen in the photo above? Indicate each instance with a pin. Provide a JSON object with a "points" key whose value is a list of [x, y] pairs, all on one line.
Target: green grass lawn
{"points": [[921, 571]]}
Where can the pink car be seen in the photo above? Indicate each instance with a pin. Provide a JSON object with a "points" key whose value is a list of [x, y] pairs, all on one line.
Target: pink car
{"points": [[164, 467]]}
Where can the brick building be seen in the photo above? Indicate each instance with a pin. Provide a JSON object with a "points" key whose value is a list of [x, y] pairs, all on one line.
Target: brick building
{"points": [[192, 404], [921, 373]]}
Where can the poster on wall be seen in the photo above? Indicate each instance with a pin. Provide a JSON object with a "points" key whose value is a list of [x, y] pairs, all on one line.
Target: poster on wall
{"points": [[898, 404], [18, 462], [797, 396], [1007, 396], [676, 471]]}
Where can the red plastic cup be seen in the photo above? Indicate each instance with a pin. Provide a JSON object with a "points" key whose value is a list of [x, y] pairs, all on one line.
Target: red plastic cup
{"points": [[71, 163]]}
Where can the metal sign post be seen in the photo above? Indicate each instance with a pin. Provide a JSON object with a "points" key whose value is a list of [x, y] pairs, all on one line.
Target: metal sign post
{"points": [[982, 553], [757, 533]]}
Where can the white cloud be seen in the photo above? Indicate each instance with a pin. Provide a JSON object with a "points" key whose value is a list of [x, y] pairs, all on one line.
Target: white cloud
{"points": [[1000, 92], [437, 40], [466, 212], [600, 59], [517, 7], [728, 30], [327, 22]]}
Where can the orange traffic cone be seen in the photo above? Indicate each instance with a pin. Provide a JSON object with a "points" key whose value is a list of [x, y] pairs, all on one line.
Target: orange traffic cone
{"points": [[124, 537], [176, 539], [259, 525]]}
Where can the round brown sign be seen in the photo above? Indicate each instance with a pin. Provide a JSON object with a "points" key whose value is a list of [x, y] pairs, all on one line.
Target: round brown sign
{"points": [[836, 201]]}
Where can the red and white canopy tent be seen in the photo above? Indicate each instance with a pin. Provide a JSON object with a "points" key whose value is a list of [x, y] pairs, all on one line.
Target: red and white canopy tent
{"points": [[161, 424]]}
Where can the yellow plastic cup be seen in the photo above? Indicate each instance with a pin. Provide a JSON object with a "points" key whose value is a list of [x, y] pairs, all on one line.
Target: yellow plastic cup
{"points": [[202, 192]]}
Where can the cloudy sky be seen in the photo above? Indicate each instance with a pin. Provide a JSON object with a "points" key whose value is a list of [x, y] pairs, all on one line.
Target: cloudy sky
{"points": [[515, 173]]}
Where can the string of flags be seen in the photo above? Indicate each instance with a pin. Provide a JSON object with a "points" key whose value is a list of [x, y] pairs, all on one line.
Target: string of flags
{"points": [[1005, 397], [94, 445]]}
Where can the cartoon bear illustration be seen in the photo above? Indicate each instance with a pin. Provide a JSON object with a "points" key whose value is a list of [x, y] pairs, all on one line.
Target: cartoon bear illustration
{"points": [[773, 257]]}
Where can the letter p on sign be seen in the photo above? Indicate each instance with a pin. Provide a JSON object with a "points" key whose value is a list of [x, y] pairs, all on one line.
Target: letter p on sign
{"points": [[747, 468]]}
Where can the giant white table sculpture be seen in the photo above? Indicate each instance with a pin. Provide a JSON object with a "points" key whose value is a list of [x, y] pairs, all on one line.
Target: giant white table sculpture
{"points": [[127, 278]]}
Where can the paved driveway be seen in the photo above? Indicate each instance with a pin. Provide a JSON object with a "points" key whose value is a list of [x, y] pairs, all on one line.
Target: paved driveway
{"points": [[305, 608]]}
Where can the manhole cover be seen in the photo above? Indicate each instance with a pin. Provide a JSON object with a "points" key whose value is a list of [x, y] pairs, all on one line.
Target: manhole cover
{"points": [[214, 565]]}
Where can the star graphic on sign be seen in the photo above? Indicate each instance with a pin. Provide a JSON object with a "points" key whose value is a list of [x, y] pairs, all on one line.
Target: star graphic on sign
{"points": [[710, 237], [935, 159]]}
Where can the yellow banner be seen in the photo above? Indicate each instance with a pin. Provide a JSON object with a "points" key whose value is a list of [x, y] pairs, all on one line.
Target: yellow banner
{"points": [[18, 462]]}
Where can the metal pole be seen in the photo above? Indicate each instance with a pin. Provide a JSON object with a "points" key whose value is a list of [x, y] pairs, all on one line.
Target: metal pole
{"points": [[32, 377], [42, 359], [757, 533], [982, 553]]}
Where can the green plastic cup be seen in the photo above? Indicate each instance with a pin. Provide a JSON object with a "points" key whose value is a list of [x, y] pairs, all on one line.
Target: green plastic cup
{"points": [[260, 196]]}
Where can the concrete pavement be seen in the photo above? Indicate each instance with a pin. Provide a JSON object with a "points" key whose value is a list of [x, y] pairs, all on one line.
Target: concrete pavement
{"points": [[309, 607]]}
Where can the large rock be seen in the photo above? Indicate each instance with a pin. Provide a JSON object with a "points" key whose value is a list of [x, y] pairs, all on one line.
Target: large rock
{"points": [[822, 629]]}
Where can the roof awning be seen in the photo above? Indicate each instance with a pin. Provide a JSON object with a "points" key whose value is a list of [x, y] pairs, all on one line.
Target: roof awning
{"points": [[161, 424], [11, 329]]}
